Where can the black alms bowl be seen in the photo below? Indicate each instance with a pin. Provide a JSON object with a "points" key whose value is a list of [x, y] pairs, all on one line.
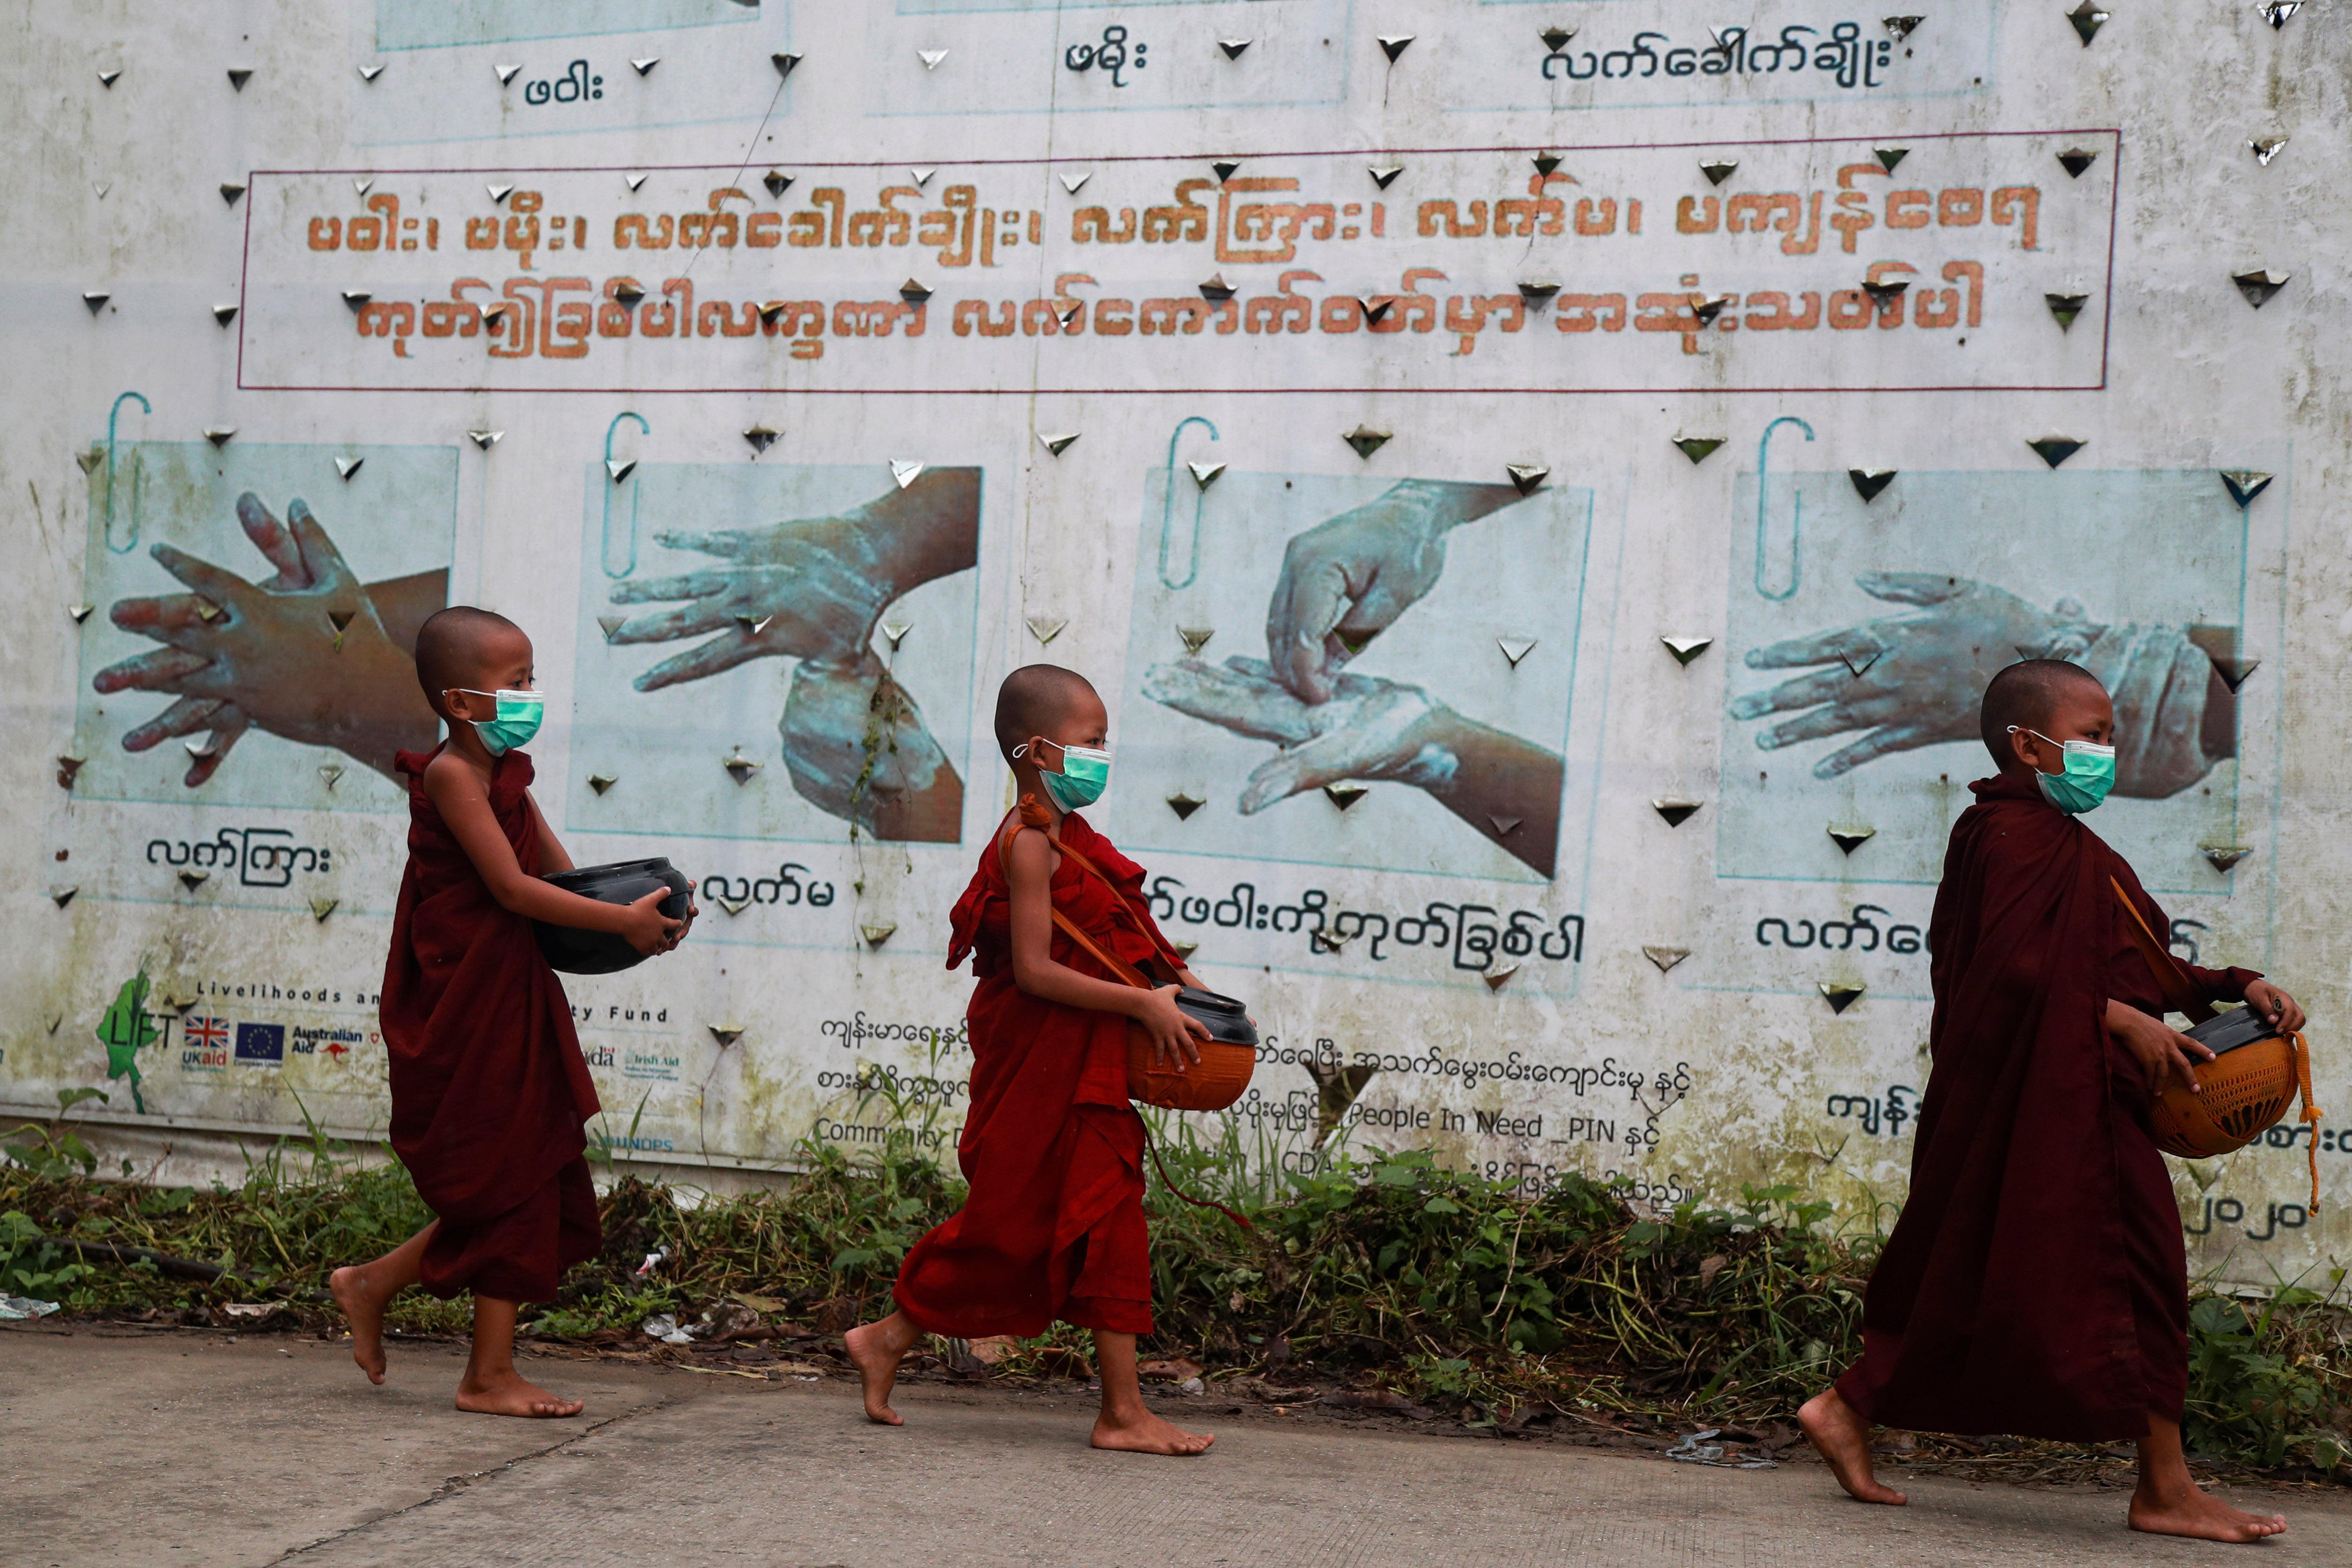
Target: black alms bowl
{"points": [[577, 952]]}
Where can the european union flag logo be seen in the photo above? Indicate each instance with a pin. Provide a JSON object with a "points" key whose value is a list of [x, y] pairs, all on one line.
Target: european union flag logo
{"points": [[263, 1044]]}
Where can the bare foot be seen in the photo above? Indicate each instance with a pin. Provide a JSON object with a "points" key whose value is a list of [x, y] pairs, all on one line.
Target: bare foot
{"points": [[364, 1311], [2197, 1514], [510, 1393], [1144, 1432], [876, 1359], [1843, 1438]]}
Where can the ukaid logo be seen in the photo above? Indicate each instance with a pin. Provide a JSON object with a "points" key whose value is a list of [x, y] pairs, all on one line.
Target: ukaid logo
{"points": [[203, 1044], [261, 1045]]}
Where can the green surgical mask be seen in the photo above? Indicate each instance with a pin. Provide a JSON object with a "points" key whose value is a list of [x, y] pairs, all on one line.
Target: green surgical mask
{"points": [[2090, 773], [1085, 774], [520, 714]]}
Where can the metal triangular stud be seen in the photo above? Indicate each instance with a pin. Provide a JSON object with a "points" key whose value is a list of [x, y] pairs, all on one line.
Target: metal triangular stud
{"points": [[95, 299], [321, 907], [1216, 288], [356, 300], [896, 631], [1901, 28], [1394, 44], [921, 176], [1882, 290], [1046, 629], [1366, 440], [738, 766], [219, 435], [725, 1034], [107, 78], [2259, 284], [102, 187], [2055, 449], [1505, 826], [776, 179], [1538, 290], [2244, 485], [1071, 182], [1496, 979], [1069, 315], [331, 772], [914, 291], [1516, 648], [238, 76], [1355, 642], [2066, 307], [1685, 650], [2222, 856], [771, 313], [1841, 995], [1889, 156], [369, 73], [67, 767], [1056, 441], [1194, 639], [1185, 949], [1861, 658], [208, 612], [877, 936], [2235, 669], [1544, 163], [628, 291], [783, 63], [2276, 12], [1851, 838], [753, 624], [1233, 47], [192, 878], [1527, 476], [1322, 941], [506, 73], [904, 473], [2088, 19], [79, 613], [1677, 812], [1718, 170], [1868, 483], [230, 191], [1708, 307], [1384, 174], [347, 467], [208, 747], [1225, 168], [732, 906], [61, 896], [645, 67], [620, 468], [1205, 474], [485, 440], [2074, 160], [931, 57], [1183, 804], [1697, 449], [2266, 148], [1556, 38], [492, 314], [224, 314], [342, 620], [1665, 958], [761, 437], [612, 625], [363, 184], [633, 181], [1343, 795], [1375, 310], [499, 193]]}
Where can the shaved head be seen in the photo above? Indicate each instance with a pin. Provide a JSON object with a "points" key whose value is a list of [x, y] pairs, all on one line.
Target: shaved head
{"points": [[462, 647], [1040, 699], [2027, 694]]}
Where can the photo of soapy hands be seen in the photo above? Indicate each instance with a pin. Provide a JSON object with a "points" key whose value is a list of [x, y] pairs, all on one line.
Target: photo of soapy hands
{"points": [[1387, 613]]}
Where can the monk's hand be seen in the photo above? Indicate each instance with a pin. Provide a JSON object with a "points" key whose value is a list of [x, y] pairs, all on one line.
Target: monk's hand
{"points": [[1173, 1033], [646, 928], [2164, 1055], [2283, 1012], [1921, 677]]}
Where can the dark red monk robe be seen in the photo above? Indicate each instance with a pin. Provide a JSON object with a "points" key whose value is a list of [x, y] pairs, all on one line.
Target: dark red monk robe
{"points": [[1054, 1225], [489, 1088], [2035, 1283]]}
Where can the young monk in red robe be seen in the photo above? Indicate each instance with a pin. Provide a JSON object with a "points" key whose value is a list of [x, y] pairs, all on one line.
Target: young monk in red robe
{"points": [[2036, 1283], [1054, 1152], [489, 1088]]}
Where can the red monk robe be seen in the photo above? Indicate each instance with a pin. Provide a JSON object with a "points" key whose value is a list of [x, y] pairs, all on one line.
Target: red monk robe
{"points": [[489, 1088], [1053, 1226], [2035, 1284]]}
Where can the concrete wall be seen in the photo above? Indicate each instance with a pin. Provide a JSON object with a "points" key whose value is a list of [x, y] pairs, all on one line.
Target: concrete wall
{"points": [[617, 239]]}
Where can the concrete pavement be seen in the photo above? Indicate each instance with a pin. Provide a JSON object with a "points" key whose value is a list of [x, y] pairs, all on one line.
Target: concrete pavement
{"points": [[131, 1447]]}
